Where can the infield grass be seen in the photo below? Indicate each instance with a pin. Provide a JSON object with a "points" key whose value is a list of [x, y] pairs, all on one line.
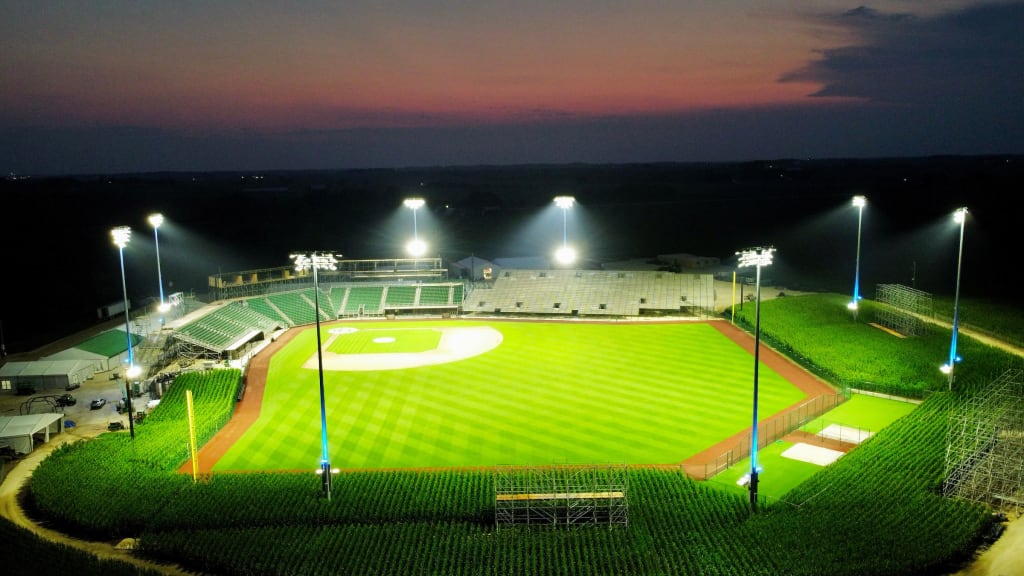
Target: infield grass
{"points": [[550, 393]]}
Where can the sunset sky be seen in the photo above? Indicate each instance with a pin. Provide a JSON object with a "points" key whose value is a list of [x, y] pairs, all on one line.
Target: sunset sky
{"points": [[114, 86]]}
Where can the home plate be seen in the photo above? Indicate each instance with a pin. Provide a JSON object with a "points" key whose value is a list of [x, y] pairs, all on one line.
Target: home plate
{"points": [[812, 454]]}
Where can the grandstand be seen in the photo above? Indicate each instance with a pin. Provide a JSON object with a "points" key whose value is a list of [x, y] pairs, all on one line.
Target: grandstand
{"points": [[279, 298], [595, 293]]}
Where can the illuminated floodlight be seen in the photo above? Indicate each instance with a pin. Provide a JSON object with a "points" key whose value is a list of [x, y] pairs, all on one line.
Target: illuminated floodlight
{"points": [[319, 261], [121, 236], [565, 255], [416, 248], [858, 202], [564, 202], [414, 203], [757, 257], [960, 217]]}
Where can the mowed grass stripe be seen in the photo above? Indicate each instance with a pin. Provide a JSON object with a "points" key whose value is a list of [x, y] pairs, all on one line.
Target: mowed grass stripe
{"points": [[550, 393]]}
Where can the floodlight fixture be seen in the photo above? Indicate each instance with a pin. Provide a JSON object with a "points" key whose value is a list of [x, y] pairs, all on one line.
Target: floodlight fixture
{"points": [[564, 202], [960, 217], [858, 202], [319, 261], [757, 257], [156, 220], [121, 236]]}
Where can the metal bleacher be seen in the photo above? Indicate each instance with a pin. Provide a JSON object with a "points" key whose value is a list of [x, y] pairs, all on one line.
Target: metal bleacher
{"points": [[595, 293]]}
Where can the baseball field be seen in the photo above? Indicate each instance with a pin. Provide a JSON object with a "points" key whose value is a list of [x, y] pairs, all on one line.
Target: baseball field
{"points": [[457, 393]]}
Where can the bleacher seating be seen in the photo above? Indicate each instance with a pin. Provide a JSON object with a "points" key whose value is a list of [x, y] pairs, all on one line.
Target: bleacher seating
{"points": [[399, 296], [364, 300], [594, 292], [434, 295]]}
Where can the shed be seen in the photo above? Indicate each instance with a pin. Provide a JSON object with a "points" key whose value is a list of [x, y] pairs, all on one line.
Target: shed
{"points": [[109, 350], [18, 432]]}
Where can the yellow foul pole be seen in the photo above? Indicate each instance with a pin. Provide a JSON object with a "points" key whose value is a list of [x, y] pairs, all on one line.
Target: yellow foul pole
{"points": [[192, 436], [733, 308]]}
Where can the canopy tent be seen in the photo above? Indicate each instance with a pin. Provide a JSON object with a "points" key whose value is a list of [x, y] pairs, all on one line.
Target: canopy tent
{"points": [[18, 431]]}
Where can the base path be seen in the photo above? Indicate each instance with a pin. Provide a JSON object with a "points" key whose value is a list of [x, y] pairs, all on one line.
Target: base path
{"points": [[247, 410]]}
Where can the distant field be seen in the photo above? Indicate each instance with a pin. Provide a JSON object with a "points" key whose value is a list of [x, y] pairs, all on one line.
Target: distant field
{"points": [[547, 393]]}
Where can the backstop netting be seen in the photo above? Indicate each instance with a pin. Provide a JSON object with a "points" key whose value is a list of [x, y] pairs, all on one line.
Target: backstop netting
{"points": [[985, 445]]}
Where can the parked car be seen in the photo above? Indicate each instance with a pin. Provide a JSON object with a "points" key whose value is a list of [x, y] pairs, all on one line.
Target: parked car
{"points": [[66, 400], [72, 386], [97, 403], [115, 426]]}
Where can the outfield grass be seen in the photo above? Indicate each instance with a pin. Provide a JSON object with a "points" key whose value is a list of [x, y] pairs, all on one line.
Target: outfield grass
{"points": [[550, 393]]}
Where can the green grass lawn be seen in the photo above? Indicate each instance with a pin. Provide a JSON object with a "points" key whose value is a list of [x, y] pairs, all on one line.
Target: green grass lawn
{"points": [[780, 475], [869, 413], [550, 393]]}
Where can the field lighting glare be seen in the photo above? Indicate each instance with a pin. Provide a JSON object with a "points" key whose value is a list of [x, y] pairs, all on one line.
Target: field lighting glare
{"points": [[319, 261], [858, 202], [757, 257], [960, 217], [156, 220], [121, 236], [565, 255], [415, 247]]}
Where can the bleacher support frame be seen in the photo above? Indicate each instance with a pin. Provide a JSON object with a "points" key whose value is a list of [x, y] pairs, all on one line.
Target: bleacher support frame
{"points": [[561, 495], [904, 309], [985, 445]]}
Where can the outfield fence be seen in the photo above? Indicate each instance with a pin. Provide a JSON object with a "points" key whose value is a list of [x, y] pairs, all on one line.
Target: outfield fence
{"points": [[770, 430]]}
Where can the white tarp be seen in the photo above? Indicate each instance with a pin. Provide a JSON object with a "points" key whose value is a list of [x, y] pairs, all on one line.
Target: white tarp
{"points": [[17, 431]]}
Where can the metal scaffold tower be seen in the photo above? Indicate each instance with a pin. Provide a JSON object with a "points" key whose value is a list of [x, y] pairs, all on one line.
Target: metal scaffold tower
{"points": [[904, 309], [985, 446], [560, 496]]}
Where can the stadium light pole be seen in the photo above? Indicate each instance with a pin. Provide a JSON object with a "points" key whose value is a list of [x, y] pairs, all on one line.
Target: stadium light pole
{"points": [[315, 261], [757, 257], [858, 202], [121, 236], [960, 217], [155, 220], [565, 254], [416, 247]]}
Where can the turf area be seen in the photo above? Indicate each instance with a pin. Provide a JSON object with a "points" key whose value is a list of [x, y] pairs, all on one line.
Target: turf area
{"points": [[550, 393], [779, 475]]}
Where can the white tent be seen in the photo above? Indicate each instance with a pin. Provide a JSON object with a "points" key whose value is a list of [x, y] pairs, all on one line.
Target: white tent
{"points": [[17, 431], [46, 374]]}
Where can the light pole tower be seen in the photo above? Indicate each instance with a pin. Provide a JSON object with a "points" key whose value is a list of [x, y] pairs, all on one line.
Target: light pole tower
{"points": [[565, 255], [960, 217], [756, 257], [121, 236], [416, 247], [858, 202], [316, 261], [155, 220]]}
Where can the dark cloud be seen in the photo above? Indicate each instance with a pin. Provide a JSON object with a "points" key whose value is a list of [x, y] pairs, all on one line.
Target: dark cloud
{"points": [[971, 58]]}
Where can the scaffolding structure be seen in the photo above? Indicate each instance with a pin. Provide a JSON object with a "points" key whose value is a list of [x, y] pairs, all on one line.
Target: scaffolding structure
{"points": [[985, 446], [560, 495], [904, 309]]}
